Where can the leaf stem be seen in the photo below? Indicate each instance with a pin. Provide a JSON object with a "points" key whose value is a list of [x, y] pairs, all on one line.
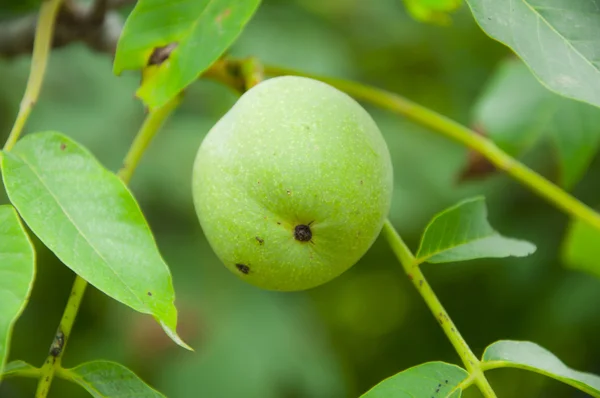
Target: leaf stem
{"points": [[61, 338], [41, 48], [154, 120], [409, 263], [457, 132]]}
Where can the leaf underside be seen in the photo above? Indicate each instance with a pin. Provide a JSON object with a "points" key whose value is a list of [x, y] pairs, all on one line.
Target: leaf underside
{"points": [[563, 54], [530, 356]]}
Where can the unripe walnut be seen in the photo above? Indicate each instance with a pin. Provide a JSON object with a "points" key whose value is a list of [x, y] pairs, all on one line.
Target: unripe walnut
{"points": [[293, 184]]}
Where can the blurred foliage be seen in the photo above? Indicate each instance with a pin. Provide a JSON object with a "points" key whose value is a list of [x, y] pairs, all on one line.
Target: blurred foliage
{"points": [[340, 339]]}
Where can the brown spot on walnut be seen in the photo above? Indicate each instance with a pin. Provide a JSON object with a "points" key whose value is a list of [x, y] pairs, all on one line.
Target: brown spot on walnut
{"points": [[302, 233], [244, 269]]}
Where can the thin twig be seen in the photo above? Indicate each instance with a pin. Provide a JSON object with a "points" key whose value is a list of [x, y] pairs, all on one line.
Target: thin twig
{"points": [[41, 49]]}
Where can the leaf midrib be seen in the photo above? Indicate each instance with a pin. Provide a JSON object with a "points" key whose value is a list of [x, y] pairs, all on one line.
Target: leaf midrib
{"points": [[33, 170]]}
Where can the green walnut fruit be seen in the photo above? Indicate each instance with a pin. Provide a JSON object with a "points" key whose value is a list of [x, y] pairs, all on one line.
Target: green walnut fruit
{"points": [[293, 184]]}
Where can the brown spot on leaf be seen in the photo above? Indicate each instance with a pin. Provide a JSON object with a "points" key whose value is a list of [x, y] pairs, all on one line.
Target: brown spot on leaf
{"points": [[149, 293], [161, 54], [63, 146]]}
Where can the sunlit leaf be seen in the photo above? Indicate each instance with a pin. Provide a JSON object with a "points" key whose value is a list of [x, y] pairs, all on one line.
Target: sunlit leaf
{"points": [[462, 232], [17, 273], [434, 11], [431, 379], [198, 31], [89, 219], [104, 379], [559, 40], [530, 356], [20, 367], [581, 248]]}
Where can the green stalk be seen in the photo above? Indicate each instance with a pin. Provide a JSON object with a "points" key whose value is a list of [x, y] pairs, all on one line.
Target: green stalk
{"points": [[41, 48], [457, 132], [409, 263]]}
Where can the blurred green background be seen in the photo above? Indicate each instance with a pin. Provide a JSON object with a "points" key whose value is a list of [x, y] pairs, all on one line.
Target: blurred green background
{"points": [[340, 339]]}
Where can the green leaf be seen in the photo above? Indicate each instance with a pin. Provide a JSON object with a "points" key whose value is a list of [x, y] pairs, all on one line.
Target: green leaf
{"points": [[17, 273], [581, 248], [530, 356], [200, 30], [104, 379], [433, 11], [516, 111], [562, 54], [514, 108], [462, 232], [20, 367], [431, 379], [576, 134], [86, 215]]}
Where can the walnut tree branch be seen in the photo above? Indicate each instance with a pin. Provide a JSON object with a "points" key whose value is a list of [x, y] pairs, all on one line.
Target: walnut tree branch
{"points": [[98, 26]]}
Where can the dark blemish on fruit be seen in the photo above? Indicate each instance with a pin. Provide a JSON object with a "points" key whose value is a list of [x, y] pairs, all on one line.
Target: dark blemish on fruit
{"points": [[149, 293], [361, 182], [278, 223], [244, 269], [260, 241], [259, 182], [161, 54], [62, 147], [302, 233], [410, 276], [446, 381], [289, 192], [421, 283]]}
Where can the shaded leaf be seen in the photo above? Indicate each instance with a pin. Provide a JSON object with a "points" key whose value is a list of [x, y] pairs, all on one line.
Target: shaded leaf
{"points": [[21, 367], [105, 379], [530, 356], [462, 232], [581, 248], [89, 219], [199, 32], [17, 273], [516, 111], [431, 379], [514, 108], [558, 40], [434, 11]]}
